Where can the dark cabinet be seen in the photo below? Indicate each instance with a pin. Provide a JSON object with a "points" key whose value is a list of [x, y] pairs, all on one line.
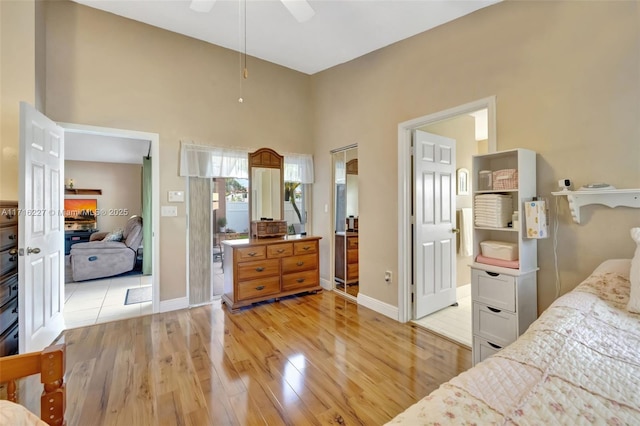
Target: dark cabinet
{"points": [[8, 278]]}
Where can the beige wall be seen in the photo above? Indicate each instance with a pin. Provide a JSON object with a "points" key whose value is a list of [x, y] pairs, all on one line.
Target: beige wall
{"points": [[121, 186], [108, 71], [17, 83], [566, 76]]}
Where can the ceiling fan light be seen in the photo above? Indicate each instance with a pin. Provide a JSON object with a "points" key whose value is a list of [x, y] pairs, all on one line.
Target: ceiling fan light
{"points": [[300, 9], [202, 5]]}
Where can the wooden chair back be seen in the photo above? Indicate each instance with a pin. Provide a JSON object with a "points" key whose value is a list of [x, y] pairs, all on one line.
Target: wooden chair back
{"points": [[50, 364]]}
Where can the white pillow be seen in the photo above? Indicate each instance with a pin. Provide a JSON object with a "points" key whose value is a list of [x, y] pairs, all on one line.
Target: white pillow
{"points": [[634, 274]]}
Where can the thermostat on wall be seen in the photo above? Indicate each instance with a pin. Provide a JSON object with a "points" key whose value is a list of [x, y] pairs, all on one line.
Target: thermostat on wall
{"points": [[176, 196]]}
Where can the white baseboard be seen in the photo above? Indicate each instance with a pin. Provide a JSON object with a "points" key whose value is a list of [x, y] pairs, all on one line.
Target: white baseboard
{"points": [[326, 284], [174, 304], [378, 306]]}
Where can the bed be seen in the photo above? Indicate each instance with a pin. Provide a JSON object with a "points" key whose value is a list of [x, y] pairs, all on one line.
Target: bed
{"points": [[578, 363], [50, 364]]}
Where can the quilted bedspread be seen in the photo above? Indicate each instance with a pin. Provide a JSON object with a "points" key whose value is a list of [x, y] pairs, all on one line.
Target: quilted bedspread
{"points": [[579, 363]]}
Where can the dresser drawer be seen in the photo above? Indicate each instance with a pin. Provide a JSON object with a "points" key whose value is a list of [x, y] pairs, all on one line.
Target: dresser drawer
{"points": [[9, 341], [305, 247], [299, 263], [352, 271], [279, 250], [251, 253], [352, 243], [8, 237], [8, 314], [257, 269], [352, 256], [8, 262], [8, 215], [495, 290], [8, 288], [258, 288], [300, 280], [498, 327], [483, 349]]}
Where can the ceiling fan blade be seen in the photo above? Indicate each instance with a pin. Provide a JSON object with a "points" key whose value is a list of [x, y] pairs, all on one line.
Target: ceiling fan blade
{"points": [[202, 5], [300, 9]]}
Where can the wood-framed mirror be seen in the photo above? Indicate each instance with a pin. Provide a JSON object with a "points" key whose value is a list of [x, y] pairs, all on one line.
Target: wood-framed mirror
{"points": [[266, 186]]}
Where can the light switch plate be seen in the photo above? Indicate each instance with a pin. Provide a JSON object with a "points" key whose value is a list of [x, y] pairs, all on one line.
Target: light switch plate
{"points": [[169, 211], [176, 196]]}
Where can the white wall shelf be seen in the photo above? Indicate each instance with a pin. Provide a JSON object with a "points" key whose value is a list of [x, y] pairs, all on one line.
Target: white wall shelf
{"points": [[607, 197]]}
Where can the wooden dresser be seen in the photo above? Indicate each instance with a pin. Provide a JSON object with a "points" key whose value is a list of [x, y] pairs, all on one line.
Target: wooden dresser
{"points": [[8, 278], [346, 257], [269, 268]]}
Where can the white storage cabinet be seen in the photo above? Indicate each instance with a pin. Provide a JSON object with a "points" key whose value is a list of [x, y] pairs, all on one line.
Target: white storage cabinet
{"points": [[504, 300]]}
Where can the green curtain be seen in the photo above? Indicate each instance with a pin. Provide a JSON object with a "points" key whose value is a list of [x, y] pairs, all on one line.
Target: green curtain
{"points": [[147, 217]]}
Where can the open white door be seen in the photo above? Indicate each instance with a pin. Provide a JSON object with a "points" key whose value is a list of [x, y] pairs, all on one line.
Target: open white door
{"points": [[40, 224], [435, 223]]}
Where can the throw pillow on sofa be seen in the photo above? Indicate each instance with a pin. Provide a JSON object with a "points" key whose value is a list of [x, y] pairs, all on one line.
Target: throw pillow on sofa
{"points": [[114, 235]]}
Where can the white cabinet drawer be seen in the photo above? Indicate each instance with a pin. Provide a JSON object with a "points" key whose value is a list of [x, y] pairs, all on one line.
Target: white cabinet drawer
{"points": [[498, 327], [492, 289], [483, 349]]}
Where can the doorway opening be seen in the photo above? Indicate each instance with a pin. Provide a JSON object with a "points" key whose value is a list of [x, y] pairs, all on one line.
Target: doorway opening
{"points": [[459, 124], [117, 179]]}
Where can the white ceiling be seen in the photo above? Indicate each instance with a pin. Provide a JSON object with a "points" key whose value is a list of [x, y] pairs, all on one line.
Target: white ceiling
{"points": [[339, 31], [81, 146]]}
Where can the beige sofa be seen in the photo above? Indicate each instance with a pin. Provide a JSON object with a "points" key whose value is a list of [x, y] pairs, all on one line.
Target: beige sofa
{"points": [[99, 259]]}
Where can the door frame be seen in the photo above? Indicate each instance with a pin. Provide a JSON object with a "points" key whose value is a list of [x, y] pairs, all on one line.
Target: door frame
{"points": [[405, 195], [154, 138]]}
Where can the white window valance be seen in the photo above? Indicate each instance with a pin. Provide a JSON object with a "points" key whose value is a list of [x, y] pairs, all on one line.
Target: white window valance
{"points": [[298, 168], [213, 162]]}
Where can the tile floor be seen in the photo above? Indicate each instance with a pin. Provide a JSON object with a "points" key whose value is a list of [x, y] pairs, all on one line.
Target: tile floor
{"points": [[98, 301], [453, 322]]}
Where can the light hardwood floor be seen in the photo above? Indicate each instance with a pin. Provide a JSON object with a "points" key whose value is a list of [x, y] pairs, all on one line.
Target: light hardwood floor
{"points": [[316, 359]]}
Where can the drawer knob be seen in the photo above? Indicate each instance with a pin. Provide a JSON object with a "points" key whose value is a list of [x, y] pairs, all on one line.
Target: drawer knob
{"points": [[15, 287], [300, 280], [259, 269], [492, 274], [13, 237], [280, 250], [253, 253], [494, 345], [300, 263], [306, 248], [260, 287], [15, 336], [15, 310], [493, 309]]}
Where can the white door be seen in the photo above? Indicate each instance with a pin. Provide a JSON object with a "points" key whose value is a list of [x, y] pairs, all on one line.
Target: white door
{"points": [[434, 247], [40, 225]]}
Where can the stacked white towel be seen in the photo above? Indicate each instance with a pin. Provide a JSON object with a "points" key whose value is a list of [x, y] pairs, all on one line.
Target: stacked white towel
{"points": [[492, 210]]}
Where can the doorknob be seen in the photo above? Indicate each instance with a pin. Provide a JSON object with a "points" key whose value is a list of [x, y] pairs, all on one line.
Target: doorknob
{"points": [[455, 230], [34, 250]]}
